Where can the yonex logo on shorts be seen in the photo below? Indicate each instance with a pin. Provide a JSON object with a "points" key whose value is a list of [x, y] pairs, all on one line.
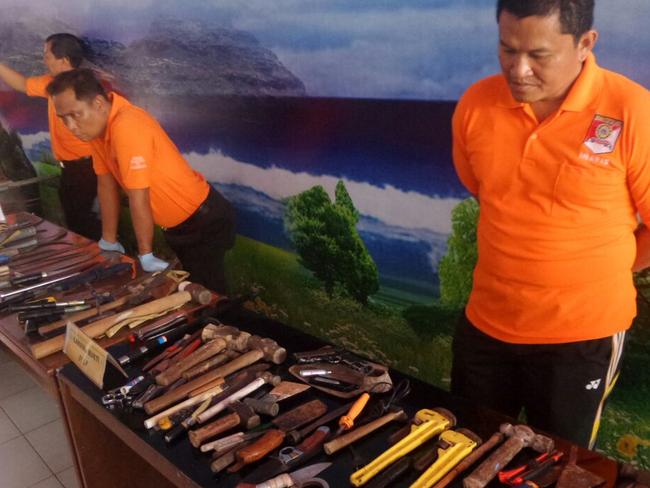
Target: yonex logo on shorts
{"points": [[593, 385]]}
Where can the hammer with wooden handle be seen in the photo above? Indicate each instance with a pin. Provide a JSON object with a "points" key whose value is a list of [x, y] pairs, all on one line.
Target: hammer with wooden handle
{"points": [[232, 385], [195, 400], [520, 436], [208, 364], [175, 371], [241, 416], [177, 394]]}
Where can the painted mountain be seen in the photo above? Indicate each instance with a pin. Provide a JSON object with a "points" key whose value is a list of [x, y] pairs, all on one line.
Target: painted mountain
{"points": [[175, 57]]}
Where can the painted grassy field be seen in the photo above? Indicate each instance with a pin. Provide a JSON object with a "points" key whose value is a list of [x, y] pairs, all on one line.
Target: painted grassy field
{"points": [[287, 292]]}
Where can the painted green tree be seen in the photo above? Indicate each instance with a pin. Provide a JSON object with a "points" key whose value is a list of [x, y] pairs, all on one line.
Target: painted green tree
{"points": [[456, 267], [326, 239]]}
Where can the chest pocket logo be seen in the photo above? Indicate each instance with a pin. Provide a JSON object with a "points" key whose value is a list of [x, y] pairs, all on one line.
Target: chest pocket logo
{"points": [[603, 134]]}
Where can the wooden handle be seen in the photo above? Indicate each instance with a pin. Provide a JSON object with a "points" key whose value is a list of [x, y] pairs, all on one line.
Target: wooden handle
{"points": [[60, 324], [206, 351], [152, 421], [238, 395], [226, 459], [157, 404], [206, 387], [207, 365], [477, 454], [281, 481], [261, 447], [360, 432], [96, 329], [489, 468], [213, 429], [221, 446]]}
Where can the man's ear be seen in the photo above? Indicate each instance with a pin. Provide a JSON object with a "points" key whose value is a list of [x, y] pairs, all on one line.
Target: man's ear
{"points": [[99, 102], [586, 43]]}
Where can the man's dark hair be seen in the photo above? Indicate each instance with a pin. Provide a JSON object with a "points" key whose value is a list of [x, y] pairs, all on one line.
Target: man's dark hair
{"points": [[576, 16], [83, 82], [65, 45]]}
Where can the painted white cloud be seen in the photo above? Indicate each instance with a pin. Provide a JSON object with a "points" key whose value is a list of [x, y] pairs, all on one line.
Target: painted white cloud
{"points": [[388, 204], [399, 53], [31, 140]]}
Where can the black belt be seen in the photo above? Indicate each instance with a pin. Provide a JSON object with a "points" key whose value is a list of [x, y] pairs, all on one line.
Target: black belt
{"points": [[192, 220], [70, 163]]}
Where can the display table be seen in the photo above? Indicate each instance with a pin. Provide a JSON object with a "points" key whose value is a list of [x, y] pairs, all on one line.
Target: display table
{"points": [[12, 334], [113, 449]]}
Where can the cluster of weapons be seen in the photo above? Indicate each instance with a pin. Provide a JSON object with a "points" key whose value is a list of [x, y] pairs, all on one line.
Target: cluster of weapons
{"points": [[209, 382], [455, 451], [49, 277], [37, 263], [213, 385]]}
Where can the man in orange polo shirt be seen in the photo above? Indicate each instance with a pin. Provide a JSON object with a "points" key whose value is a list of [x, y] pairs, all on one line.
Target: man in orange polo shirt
{"points": [[131, 151], [557, 151], [78, 184]]}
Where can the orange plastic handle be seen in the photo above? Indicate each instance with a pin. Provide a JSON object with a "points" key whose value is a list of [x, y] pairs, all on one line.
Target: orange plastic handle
{"points": [[347, 421]]}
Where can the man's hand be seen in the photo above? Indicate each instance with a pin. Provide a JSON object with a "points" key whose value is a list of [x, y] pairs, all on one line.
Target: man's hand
{"points": [[12, 78], [151, 263], [105, 245]]}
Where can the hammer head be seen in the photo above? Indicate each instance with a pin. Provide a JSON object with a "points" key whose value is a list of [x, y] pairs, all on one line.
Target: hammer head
{"points": [[272, 350], [528, 437], [199, 294], [247, 418]]}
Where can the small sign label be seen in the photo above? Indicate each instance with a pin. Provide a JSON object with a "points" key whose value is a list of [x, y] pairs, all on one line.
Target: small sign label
{"points": [[90, 357]]}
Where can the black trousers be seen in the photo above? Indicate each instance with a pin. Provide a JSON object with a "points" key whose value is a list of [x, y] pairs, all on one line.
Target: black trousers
{"points": [[201, 241], [561, 387], [77, 193]]}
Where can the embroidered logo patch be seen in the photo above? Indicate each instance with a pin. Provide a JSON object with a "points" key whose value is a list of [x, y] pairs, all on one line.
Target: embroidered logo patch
{"points": [[137, 162], [603, 134]]}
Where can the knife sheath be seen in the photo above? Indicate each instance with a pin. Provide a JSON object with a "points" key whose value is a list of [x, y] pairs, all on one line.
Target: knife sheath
{"points": [[271, 440], [299, 416]]}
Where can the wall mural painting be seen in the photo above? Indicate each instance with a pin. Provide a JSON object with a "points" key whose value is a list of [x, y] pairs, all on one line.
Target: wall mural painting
{"points": [[327, 124]]}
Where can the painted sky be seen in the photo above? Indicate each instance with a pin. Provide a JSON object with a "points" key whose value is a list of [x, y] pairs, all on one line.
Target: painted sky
{"points": [[412, 49]]}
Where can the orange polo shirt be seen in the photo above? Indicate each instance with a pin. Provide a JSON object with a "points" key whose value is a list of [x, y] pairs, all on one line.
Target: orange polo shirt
{"points": [[140, 154], [65, 146], [558, 206]]}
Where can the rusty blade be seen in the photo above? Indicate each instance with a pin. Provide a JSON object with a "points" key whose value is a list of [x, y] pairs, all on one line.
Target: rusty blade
{"points": [[284, 390], [573, 476]]}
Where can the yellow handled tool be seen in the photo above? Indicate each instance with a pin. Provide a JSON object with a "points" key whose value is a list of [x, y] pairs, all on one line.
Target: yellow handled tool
{"points": [[431, 423], [453, 446]]}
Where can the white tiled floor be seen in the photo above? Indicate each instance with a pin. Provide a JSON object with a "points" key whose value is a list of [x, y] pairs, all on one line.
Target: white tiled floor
{"points": [[34, 451]]}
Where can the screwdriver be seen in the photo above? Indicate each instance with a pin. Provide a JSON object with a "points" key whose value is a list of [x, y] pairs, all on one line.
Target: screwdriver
{"points": [[346, 422]]}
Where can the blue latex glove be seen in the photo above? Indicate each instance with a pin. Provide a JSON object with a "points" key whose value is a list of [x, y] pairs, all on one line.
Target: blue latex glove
{"points": [[104, 245], [151, 263]]}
